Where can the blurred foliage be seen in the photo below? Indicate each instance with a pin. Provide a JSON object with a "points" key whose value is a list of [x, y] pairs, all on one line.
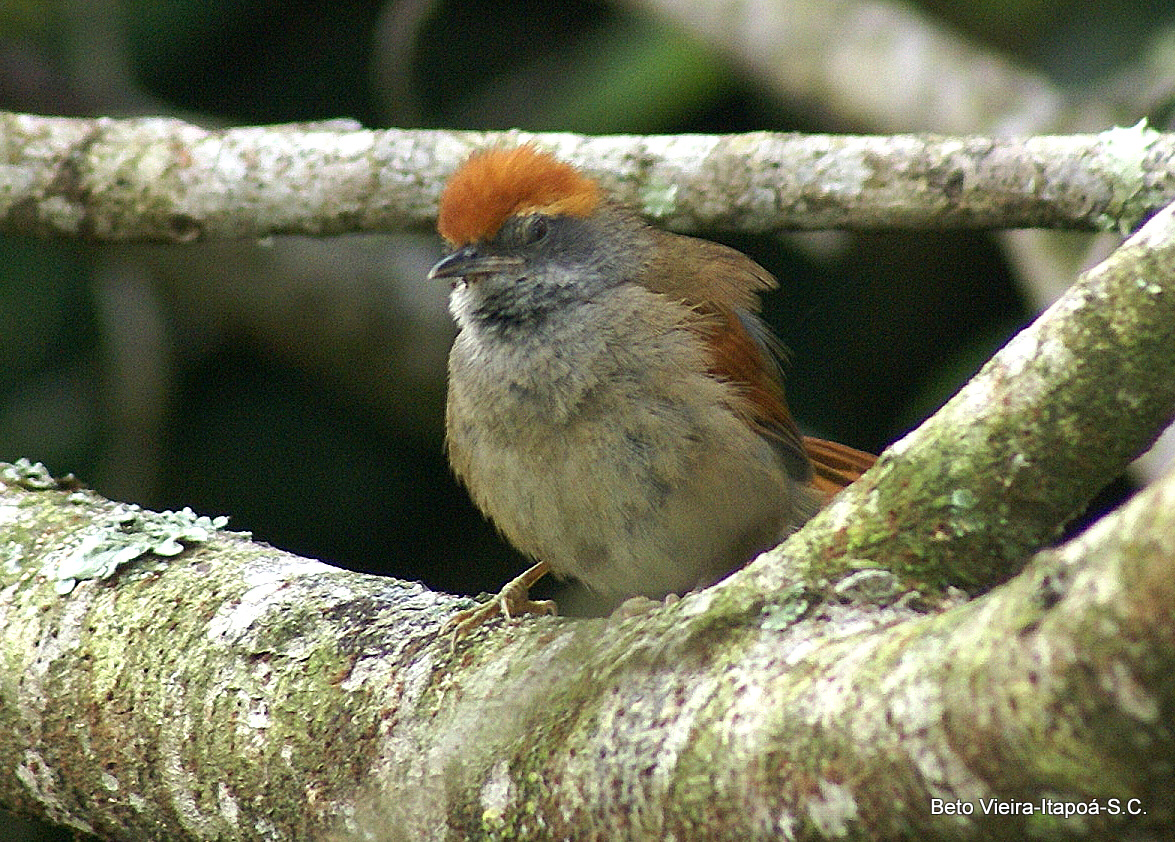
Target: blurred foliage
{"points": [[48, 354], [600, 72], [1073, 42], [256, 61], [882, 327], [21, 17]]}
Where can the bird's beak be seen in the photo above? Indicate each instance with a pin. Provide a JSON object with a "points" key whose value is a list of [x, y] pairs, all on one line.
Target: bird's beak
{"points": [[471, 261]]}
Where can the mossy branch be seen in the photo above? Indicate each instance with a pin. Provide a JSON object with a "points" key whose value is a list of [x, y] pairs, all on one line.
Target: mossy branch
{"points": [[240, 692], [1026, 444], [834, 688]]}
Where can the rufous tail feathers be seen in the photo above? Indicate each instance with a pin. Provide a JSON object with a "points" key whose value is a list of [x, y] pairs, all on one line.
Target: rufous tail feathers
{"points": [[834, 465]]}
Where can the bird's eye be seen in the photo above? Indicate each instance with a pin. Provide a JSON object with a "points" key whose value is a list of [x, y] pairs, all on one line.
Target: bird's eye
{"points": [[536, 229]]}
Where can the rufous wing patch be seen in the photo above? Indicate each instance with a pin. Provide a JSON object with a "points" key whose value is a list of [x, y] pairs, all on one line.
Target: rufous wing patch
{"points": [[720, 284]]}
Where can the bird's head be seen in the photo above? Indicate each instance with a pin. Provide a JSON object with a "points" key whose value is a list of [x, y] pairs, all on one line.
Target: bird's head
{"points": [[530, 233]]}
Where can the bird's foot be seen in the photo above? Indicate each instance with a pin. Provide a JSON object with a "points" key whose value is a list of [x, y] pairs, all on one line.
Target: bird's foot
{"points": [[513, 600]]}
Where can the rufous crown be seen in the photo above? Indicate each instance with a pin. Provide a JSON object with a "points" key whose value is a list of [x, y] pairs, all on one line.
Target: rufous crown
{"points": [[494, 185]]}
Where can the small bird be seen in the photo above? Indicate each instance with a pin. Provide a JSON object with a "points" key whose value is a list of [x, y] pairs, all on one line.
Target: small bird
{"points": [[615, 404]]}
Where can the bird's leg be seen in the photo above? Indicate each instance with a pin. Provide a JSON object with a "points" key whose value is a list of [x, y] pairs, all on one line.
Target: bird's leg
{"points": [[512, 601]]}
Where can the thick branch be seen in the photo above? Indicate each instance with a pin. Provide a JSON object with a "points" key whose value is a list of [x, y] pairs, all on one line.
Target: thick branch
{"points": [[780, 699], [1025, 445], [244, 693], [158, 179], [239, 692]]}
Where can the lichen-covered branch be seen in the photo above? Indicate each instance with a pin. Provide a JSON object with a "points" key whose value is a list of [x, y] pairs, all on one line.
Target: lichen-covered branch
{"points": [[838, 687], [1025, 445], [158, 179], [835, 688], [239, 692]]}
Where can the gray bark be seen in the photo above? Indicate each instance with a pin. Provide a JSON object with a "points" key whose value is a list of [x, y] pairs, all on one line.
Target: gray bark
{"points": [[162, 180], [838, 687]]}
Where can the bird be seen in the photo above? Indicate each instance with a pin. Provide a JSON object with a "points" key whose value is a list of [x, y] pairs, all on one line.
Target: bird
{"points": [[615, 403]]}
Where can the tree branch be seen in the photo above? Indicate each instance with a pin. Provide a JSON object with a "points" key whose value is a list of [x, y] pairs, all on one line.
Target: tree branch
{"points": [[244, 693], [240, 692], [157, 179], [836, 686]]}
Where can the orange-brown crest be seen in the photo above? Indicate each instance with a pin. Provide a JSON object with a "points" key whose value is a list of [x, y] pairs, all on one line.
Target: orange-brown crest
{"points": [[494, 185]]}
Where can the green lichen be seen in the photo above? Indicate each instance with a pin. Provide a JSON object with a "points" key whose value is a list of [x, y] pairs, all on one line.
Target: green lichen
{"points": [[125, 534], [1124, 158], [32, 476], [784, 612], [659, 200]]}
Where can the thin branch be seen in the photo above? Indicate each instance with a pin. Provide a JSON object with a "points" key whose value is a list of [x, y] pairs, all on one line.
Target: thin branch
{"points": [[156, 179]]}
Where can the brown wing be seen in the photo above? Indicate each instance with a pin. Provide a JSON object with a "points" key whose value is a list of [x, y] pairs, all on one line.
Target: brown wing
{"points": [[720, 284], [835, 465], [700, 271]]}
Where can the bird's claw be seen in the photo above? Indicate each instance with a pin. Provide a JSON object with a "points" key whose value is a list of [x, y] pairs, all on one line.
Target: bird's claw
{"points": [[513, 600]]}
